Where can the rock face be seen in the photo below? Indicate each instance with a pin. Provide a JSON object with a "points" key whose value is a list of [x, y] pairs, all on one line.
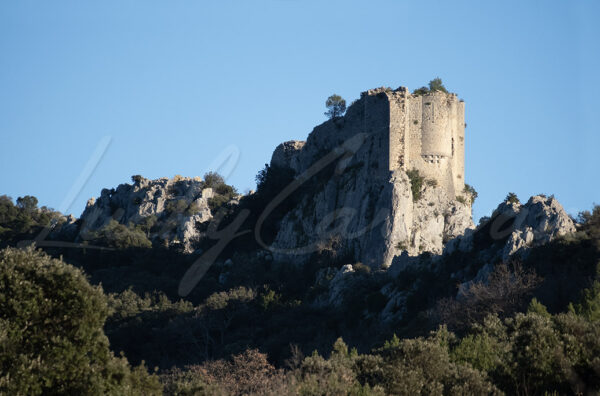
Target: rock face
{"points": [[356, 198], [518, 227], [511, 232], [176, 206]]}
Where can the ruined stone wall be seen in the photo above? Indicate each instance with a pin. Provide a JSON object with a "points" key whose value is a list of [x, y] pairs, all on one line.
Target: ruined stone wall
{"points": [[399, 139], [459, 149], [427, 134]]}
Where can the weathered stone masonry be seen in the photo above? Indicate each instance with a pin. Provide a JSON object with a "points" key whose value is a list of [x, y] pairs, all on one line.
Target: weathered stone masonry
{"points": [[427, 133]]}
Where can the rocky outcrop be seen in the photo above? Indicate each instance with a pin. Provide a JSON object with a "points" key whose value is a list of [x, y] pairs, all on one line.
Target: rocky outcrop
{"points": [[353, 203], [511, 232], [514, 228], [171, 208]]}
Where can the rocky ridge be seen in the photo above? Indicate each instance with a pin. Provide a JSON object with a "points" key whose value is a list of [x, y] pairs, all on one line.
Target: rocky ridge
{"points": [[354, 203], [510, 233], [174, 207]]}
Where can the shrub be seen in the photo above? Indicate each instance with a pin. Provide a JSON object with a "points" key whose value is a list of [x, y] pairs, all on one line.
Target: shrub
{"points": [[536, 353], [361, 268], [431, 182], [589, 306], [216, 202], [402, 245], [512, 198], [471, 192], [421, 91], [422, 366], [248, 373], [506, 291], [120, 236], [213, 180], [137, 179], [461, 199], [177, 206], [223, 192], [590, 223], [416, 183], [437, 85], [51, 334]]}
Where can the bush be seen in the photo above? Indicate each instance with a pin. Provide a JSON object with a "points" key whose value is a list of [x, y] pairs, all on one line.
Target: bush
{"points": [[51, 334], [512, 198], [536, 353], [248, 373], [434, 85], [507, 290], [137, 179], [213, 180], [589, 307], [421, 91], [416, 183], [223, 192], [177, 206], [120, 236], [437, 85], [422, 366], [470, 191], [590, 223]]}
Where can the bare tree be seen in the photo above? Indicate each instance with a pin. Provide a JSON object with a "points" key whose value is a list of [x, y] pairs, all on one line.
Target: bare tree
{"points": [[506, 291]]}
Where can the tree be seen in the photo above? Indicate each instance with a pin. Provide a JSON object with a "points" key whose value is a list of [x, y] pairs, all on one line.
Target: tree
{"points": [[512, 198], [437, 85], [28, 203], [336, 106], [213, 180], [51, 337]]}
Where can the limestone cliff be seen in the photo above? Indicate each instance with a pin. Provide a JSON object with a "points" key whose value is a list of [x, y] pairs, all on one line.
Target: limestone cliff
{"points": [[174, 207], [357, 201], [508, 234]]}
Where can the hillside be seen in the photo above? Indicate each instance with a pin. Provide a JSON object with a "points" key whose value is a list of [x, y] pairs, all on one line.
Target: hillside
{"points": [[347, 271]]}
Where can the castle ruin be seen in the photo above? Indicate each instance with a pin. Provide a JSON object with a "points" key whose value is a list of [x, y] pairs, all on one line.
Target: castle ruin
{"points": [[427, 133], [405, 132]]}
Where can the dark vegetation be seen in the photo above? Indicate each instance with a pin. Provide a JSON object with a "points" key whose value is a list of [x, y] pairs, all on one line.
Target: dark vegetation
{"points": [[434, 85], [250, 326], [336, 106], [416, 183]]}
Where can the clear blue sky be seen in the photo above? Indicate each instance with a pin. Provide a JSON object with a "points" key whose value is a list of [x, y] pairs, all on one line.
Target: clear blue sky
{"points": [[174, 83]]}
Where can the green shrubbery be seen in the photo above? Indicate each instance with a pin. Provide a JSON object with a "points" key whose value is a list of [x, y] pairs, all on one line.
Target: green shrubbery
{"points": [[120, 236], [534, 353], [416, 183], [223, 192], [470, 192], [434, 85], [51, 338], [23, 218], [512, 198]]}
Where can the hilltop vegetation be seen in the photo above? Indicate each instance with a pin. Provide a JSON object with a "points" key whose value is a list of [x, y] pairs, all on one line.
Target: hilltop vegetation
{"points": [[253, 326]]}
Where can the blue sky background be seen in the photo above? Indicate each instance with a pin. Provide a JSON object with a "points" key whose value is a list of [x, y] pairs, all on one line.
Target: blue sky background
{"points": [[176, 83]]}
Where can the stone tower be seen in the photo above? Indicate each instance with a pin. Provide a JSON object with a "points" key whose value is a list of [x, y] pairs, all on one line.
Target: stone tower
{"points": [[427, 133]]}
